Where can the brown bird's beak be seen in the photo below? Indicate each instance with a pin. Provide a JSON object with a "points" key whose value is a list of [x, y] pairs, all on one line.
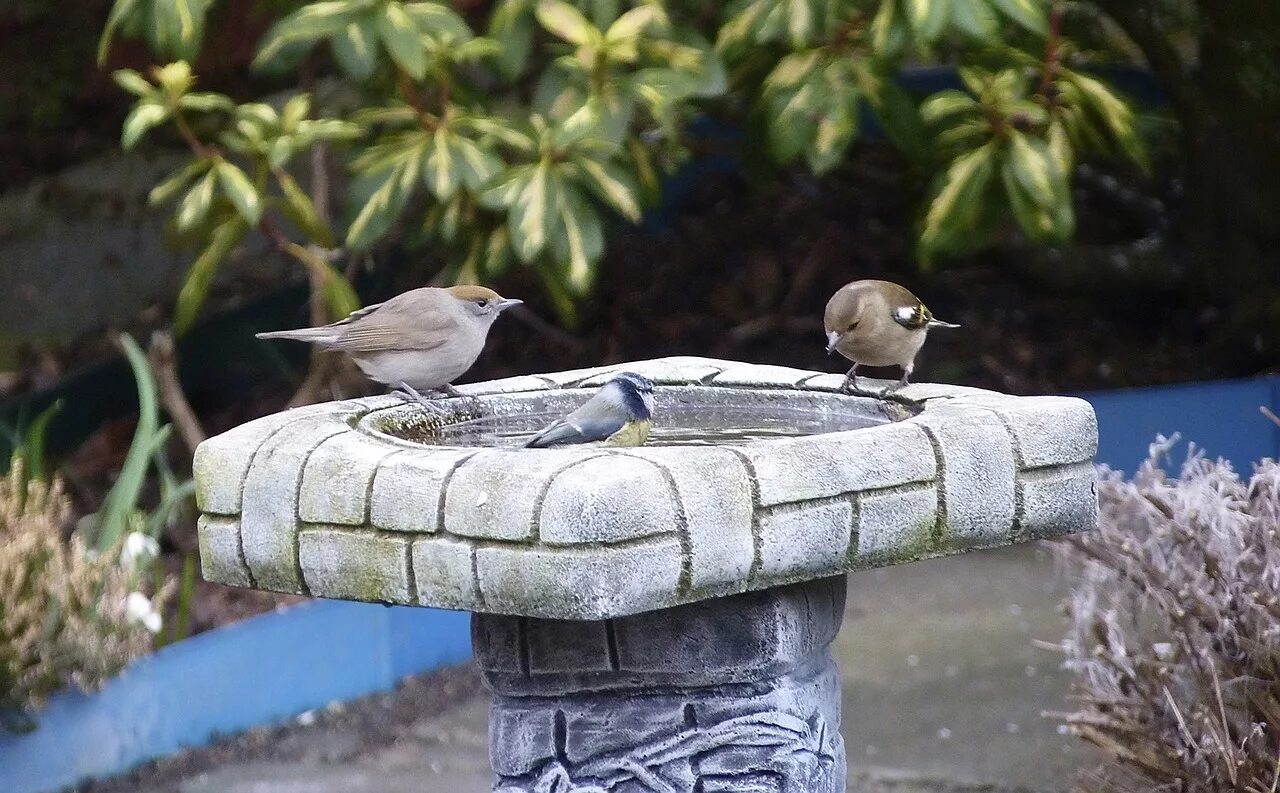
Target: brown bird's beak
{"points": [[833, 339], [507, 303]]}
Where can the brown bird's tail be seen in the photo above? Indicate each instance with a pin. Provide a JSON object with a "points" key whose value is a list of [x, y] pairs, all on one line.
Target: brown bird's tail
{"points": [[313, 335]]}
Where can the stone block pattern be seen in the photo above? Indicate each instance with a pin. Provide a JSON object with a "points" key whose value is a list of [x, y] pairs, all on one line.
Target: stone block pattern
{"points": [[733, 694], [310, 501]]}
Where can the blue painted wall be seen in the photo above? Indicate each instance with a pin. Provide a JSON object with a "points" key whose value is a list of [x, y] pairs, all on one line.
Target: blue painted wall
{"points": [[256, 672], [1221, 417]]}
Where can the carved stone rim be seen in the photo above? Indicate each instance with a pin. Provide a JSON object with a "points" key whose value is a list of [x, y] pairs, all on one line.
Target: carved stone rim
{"points": [[311, 501]]}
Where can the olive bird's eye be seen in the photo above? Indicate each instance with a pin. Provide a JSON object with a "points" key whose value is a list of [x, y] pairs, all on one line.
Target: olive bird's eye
{"points": [[482, 303]]}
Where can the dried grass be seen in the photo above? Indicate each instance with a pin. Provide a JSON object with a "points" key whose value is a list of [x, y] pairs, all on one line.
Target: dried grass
{"points": [[63, 613], [1174, 630]]}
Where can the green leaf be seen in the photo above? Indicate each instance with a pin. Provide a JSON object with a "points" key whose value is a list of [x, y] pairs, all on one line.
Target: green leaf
{"points": [[500, 130], [504, 192], [121, 502], [894, 108], [958, 201], [386, 202], [565, 21], [175, 78], [179, 26], [237, 187], [1034, 219], [511, 24], [403, 40], [614, 185], [793, 69], [1035, 168], [532, 218], [32, 446], [196, 204], [340, 297], [326, 129], [802, 22], [170, 187], [222, 241], [889, 31], [295, 111], [355, 48], [442, 172], [1031, 14], [205, 102], [439, 22], [477, 166], [310, 23], [300, 209], [794, 115], [120, 14], [630, 25], [945, 104], [1115, 114], [497, 253], [929, 18], [582, 241], [132, 82], [1060, 146], [975, 79], [975, 19], [145, 116]]}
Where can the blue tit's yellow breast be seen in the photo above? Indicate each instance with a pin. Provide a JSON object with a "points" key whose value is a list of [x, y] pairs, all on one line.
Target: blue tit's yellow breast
{"points": [[633, 433]]}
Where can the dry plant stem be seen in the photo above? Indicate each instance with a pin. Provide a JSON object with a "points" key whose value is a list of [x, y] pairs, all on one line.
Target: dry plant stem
{"points": [[1173, 629], [164, 365]]}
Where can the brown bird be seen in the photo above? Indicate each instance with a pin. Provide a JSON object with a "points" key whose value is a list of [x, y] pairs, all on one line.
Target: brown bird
{"points": [[421, 340], [877, 323]]}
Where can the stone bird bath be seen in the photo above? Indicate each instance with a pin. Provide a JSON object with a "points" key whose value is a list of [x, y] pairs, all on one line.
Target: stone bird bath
{"points": [[652, 619]]}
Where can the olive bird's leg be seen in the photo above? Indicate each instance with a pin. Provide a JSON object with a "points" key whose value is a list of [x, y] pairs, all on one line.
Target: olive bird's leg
{"points": [[449, 390], [906, 374], [850, 380]]}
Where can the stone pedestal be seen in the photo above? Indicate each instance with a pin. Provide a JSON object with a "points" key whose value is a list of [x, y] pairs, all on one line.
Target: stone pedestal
{"points": [[733, 694], [641, 614]]}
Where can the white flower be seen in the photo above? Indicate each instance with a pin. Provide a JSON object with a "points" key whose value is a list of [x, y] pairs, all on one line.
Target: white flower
{"points": [[138, 549], [138, 609]]}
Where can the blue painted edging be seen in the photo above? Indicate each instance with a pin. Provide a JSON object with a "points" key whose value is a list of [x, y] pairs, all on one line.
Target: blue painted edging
{"points": [[256, 672], [1221, 417]]}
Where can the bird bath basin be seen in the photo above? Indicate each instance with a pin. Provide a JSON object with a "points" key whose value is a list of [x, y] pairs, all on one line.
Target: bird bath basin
{"points": [[654, 618]]}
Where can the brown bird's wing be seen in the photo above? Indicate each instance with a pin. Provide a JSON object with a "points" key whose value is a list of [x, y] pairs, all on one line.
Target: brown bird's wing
{"points": [[395, 325]]}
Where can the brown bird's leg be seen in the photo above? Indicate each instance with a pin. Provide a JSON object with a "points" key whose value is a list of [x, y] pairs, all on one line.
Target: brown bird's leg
{"points": [[850, 380], [411, 394]]}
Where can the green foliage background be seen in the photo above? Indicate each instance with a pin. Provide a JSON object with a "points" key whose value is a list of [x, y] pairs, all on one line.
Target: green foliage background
{"points": [[514, 132]]}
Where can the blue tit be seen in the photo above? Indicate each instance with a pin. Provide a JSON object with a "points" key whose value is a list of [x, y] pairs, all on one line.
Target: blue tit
{"points": [[619, 414], [877, 323]]}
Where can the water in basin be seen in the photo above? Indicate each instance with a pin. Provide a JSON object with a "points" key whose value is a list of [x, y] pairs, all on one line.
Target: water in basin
{"points": [[684, 417]]}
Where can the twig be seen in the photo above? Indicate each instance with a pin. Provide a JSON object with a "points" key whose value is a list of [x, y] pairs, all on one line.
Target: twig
{"points": [[1052, 56], [164, 366]]}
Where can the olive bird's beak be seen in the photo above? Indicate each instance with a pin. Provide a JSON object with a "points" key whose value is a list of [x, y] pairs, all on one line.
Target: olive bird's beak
{"points": [[503, 305], [833, 339]]}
